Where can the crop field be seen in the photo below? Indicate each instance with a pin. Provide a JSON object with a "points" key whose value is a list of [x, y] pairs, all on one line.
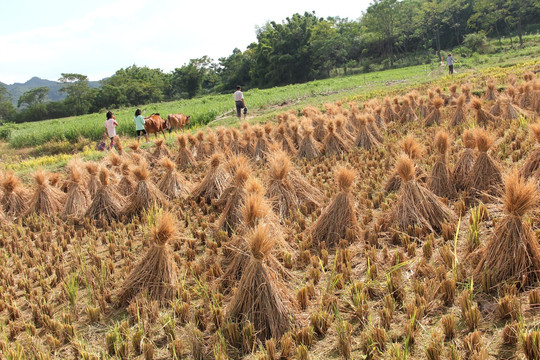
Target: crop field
{"points": [[395, 218]]}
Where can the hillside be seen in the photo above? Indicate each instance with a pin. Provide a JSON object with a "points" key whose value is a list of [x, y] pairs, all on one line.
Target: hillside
{"points": [[17, 89]]}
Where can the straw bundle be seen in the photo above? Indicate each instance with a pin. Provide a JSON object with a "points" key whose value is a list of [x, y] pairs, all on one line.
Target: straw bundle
{"points": [[262, 146], [308, 148], [374, 129], [465, 161], [339, 219], [485, 175], [365, 138], [510, 111], [483, 118], [440, 181], [379, 121], [319, 132], [422, 108], [260, 298], [466, 91], [407, 113], [491, 92], [333, 144], [288, 190], [126, 185], [281, 137], [146, 194], [212, 185], [201, 152], [388, 113], [155, 273], [411, 148], [93, 182], [15, 198], [512, 253], [160, 151], [459, 116], [107, 203], [46, 200], [185, 158], [172, 184], [497, 109], [78, 197], [416, 206], [435, 116], [342, 131], [231, 201], [532, 164]]}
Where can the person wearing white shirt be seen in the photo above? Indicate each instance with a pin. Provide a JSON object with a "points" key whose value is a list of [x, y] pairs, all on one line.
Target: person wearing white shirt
{"points": [[240, 103]]}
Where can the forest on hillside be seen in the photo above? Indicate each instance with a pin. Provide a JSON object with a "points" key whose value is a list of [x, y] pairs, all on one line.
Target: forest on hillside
{"points": [[301, 48]]}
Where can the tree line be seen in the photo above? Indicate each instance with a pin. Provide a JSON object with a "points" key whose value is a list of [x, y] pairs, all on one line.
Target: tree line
{"points": [[390, 33]]}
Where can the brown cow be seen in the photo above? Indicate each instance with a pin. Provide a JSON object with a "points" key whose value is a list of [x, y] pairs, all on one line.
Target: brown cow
{"points": [[177, 121], [154, 124]]}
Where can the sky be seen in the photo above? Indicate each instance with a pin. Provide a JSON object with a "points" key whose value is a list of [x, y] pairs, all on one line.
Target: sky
{"points": [[96, 38]]}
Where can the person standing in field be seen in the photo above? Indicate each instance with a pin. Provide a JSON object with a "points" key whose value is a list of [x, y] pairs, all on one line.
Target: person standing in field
{"points": [[139, 125], [450, 63], [240, 103], [110, 127]]}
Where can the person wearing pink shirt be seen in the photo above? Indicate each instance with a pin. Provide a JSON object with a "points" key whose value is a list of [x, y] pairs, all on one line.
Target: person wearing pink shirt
{"points": [[110, 128]]}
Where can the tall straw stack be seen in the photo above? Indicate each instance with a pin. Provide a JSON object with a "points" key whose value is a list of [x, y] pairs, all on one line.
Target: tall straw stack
{"points": [[333, 144], [308, 148], [172, 184], [185, 158], [339, 219], [365, 138], [46, 200], [459, 116], [532, 164], [485, 175], [78, 198], [146, 195], [107, 203], [416, 206], [214, 182], [407, 113], [465, 161], [288, 190], [260, 297], [155, 274], [441, 181], [483, 118], [512, 253], [435, 116], [231, 200], [15, 198]]}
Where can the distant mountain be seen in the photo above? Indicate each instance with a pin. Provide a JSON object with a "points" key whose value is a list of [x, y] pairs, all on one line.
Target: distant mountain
{"points": [[17, 89]]}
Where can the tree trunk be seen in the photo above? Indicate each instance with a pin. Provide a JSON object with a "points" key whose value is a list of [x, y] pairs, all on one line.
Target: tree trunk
{"points": [[519, 31], [438, 41]]}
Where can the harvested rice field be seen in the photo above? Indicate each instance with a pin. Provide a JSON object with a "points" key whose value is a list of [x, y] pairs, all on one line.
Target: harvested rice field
{"points": [[396, 227]]}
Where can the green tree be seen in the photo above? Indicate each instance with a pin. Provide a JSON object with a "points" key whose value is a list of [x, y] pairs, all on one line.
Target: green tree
{"points": [[33, 97], [7, 110], [380, 20], [284, 54], [328, 46], [235, 69], [78, 92], [189, 78]]}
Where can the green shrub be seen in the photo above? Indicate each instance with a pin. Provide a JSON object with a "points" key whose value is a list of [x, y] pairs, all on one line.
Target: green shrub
{"points": [[477, 42]]}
